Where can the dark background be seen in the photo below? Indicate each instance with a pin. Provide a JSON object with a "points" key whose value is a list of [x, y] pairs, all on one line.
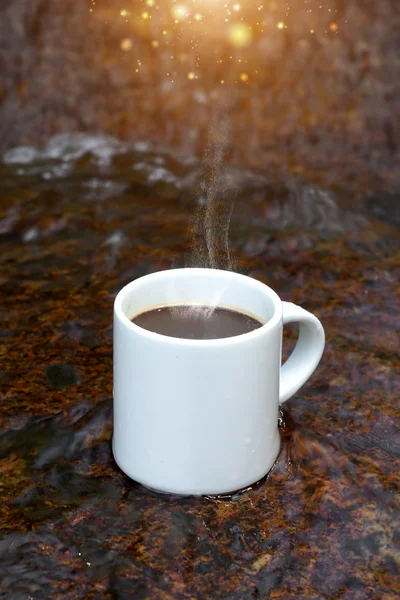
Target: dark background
{"points": [[316, 98]]}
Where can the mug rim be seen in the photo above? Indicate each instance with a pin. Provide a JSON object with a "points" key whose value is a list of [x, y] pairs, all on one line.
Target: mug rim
{"points": [[237, 339]]}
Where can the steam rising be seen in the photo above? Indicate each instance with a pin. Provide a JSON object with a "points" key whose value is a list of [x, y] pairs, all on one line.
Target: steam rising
{"points": [[210, 243], [215, 202]]}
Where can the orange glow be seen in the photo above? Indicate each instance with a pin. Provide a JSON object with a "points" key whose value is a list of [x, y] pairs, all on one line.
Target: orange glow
{"points": [[126, 44], [240, 35]]}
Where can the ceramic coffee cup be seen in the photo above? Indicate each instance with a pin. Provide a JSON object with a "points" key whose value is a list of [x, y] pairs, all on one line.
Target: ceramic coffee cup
{"points": [[201, 416]]}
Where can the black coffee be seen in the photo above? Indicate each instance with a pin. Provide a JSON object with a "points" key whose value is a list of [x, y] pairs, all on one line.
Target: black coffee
{"points": [[196, 322]]}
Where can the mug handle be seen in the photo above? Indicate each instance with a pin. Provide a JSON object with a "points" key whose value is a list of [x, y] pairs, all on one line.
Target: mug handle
{"points": [[307, 353]]}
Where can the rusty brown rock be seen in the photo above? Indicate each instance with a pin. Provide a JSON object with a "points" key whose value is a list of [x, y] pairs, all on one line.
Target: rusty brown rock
{"points": [[324, 523]]}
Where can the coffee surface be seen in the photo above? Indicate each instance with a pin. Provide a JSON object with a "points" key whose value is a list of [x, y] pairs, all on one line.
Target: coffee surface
{"points": [[196, 322]]}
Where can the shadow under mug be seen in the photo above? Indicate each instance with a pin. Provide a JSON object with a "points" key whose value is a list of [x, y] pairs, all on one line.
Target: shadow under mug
{"points": [[201, 416]]}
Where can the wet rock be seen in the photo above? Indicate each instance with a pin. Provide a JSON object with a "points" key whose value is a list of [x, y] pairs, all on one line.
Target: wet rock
{"points": [[385, 207], [323, 524], [61, 376]]}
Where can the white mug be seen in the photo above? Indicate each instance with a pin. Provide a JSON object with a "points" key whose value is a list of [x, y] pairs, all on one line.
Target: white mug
{"points": [[201, 416]]}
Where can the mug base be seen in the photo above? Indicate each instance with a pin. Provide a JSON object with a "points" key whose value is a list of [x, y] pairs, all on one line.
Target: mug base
{"points": [[222, 495]]}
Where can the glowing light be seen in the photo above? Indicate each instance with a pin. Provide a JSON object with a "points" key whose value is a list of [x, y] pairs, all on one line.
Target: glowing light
{"points": [[280, 25], [180, 12], [240, 35], [155, 43], [236, 7], [244, 77], [333, 27], [150, 2], [145, 16], [198, 17], [124, 13], [126, 44], [191, 75]]}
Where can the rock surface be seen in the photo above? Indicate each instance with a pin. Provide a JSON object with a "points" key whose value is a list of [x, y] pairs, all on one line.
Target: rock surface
{"points": [[82, 217]]}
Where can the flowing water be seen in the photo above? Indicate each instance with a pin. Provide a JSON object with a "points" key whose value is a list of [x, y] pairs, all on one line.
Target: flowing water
{"points": [[83, 216]]}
